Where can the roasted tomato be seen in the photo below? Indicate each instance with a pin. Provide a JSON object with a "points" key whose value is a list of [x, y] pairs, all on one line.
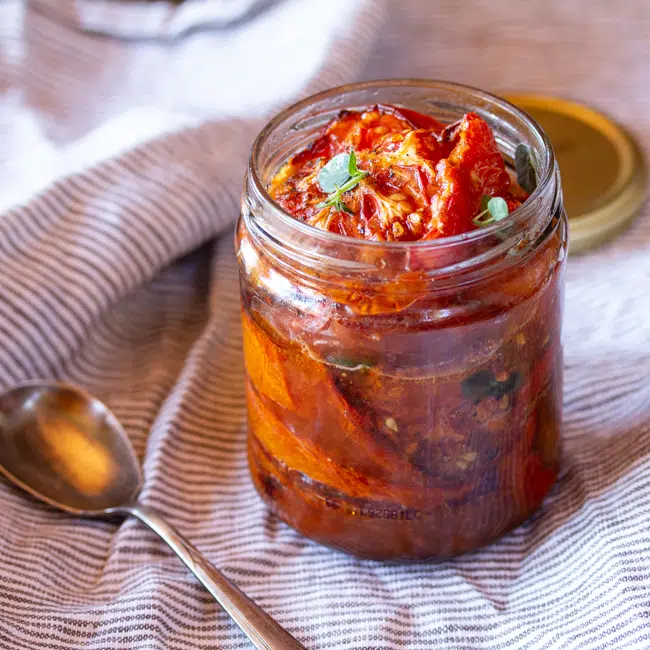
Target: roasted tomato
{"points": [[424, 180]]}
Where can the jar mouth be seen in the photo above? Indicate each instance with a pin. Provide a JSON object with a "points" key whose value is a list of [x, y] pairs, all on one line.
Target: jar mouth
{"points": [[486, 104]]}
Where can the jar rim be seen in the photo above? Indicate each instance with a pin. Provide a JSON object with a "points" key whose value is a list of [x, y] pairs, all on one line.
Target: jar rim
{"points": [[521, 215]]}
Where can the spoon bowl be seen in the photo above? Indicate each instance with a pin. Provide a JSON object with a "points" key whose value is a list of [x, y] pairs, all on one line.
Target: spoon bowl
{"points": [[66, 448]]}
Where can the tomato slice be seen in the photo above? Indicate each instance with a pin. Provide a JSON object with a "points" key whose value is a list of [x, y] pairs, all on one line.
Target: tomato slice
{"points": [[424, 180]]}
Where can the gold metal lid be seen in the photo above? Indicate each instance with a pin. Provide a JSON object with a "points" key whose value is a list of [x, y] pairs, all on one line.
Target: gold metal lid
{"points": [[602, 168]]}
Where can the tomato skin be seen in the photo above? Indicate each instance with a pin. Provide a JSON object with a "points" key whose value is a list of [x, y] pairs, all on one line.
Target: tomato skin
{"points": [[417, 120], [424, 180]]}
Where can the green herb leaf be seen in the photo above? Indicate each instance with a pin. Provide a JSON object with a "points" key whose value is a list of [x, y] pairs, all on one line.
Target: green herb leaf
{"points": [[493, 209], [484, 384], [336, 172], [498, 208], [526, 174], [339, 206], [352, 165], [338, 176], [350, 362]]}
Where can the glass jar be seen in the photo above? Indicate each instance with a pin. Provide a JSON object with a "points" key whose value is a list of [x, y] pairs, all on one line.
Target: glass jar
{"points": [[404, 398]]}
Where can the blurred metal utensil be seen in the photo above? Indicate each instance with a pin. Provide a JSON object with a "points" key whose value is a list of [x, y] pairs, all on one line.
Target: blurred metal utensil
{"points": [[66, 448]]}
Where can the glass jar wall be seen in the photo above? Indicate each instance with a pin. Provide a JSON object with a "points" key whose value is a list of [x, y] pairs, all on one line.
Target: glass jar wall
{"points": [[404, 399]]}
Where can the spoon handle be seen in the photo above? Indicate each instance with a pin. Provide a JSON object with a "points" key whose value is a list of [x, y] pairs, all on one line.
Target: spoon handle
{"points": [[258, 626]]}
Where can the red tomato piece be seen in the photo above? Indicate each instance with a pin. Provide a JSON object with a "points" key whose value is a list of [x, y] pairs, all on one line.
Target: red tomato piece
{"points": [[424, 180]]}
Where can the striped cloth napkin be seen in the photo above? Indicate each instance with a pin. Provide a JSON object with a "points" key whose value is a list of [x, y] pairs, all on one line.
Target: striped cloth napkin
{"points": [[120, 170]]}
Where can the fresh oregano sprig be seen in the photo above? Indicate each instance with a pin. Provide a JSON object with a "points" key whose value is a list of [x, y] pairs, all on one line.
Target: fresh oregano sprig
{"points": [[493, 209], [337, 177]]}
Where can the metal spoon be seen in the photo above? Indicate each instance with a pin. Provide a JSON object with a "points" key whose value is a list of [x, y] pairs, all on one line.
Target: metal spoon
{"points": [[66, 448]]}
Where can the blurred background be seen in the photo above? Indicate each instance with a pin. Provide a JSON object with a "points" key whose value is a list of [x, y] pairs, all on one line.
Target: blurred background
{"points": [[70, 66]]}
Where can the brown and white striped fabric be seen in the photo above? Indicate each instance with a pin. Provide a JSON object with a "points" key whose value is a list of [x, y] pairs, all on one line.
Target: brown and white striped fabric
{"points": [[120, 172]]}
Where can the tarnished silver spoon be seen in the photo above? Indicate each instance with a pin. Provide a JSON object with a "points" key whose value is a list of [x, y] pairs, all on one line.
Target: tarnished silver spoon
{"points": [[66, 448]]}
